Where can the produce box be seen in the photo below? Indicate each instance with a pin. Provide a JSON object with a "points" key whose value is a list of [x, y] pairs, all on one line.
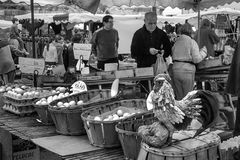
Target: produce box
{"points": [[146, 71], [88, 78], [106, 74], [100, 121], [124, 73], [25, 150]]}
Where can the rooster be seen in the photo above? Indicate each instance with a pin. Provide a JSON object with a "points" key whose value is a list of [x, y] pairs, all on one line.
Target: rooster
{"points": [[177, 115]]}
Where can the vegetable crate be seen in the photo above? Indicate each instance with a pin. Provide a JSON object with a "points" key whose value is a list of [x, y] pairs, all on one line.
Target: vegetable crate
{"points": [[202, 147], [68, 119], [102, 133], [128, 133]]}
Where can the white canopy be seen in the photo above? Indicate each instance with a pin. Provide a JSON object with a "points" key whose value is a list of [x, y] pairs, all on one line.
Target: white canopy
{"points": [[125, 24], [5, 24]]}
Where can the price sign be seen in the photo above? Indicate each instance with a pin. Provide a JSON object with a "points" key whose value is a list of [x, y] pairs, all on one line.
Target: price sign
{"points": [[82, 49], [79, 86], [29, 65]]}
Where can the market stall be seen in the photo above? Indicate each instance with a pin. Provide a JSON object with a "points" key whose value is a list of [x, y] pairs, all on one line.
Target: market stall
{"points": [[100, 110]]}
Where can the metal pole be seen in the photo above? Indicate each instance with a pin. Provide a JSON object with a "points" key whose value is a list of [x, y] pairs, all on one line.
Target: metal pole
{"points": [[199, 17], [33, 33]]}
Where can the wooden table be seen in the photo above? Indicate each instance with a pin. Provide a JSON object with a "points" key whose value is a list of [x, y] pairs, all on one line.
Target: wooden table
{"points": [[99, 83], [62, 147]]}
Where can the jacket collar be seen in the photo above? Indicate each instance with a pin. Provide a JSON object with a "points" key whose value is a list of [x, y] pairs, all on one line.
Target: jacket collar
{"points": [[145, 29]]}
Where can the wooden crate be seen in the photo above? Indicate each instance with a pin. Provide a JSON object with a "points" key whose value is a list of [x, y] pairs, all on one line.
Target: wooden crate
{"points": [[124, 73], [146, 71]]}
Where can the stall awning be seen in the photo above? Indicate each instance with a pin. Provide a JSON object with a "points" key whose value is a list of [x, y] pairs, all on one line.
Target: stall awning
{"points": [[92, 5]]}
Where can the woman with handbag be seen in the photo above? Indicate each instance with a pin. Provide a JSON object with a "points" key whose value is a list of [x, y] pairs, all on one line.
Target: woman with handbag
{"points": [[185, 54]]}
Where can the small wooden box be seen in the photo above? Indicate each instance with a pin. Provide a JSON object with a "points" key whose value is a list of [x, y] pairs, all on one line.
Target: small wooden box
{"points": [[89, 78], [124, 73], [106, 74], [146, 71]]}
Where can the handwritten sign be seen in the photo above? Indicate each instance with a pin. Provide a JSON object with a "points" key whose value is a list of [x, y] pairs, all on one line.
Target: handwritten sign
{"points": [[29, 65], [79, 86], [82, 49]]}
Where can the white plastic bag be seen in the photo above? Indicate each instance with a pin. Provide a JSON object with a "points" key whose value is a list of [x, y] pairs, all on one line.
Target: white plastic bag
{"points": [[160, 66]]}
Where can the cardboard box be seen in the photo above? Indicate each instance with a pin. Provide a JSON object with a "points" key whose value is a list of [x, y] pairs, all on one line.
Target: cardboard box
{"points": [[111, 67], [32, 154], [146, 71], [25, 150], [124, 73]]}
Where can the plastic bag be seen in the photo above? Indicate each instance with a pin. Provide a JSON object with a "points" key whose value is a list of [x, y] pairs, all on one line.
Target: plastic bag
{"points": [[160, 66]]}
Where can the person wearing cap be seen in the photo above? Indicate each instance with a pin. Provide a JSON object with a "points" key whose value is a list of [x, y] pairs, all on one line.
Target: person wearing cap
{"points": [[105, 43], [147, 42], [185, 54]]}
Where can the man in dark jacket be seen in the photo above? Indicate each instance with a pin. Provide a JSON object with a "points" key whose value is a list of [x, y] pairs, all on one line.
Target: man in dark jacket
{"points": [[147, 42]]}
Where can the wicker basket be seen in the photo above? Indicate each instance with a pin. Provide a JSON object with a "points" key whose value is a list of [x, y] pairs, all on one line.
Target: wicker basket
{"points": [[43, 113], [102, 133], [202, 147], [127, 133], [68, 120]]}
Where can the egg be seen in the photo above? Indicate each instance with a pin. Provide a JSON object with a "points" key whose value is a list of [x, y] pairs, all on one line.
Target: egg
{"points": [[44, 103], [59, 104], [66, 104], [72, 103], [126, 114], [97, 118], [80, 102], [49, 99], [119, 112], [36, 94]]}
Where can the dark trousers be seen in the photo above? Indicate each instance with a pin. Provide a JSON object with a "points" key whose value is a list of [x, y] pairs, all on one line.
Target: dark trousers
{"points": [[237, 122], [8, 77], [101, 64]]}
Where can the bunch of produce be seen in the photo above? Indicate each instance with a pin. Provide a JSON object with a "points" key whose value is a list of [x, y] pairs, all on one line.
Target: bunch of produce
{"points": [[114, 115], [47, 100], [10, 87], [230, 143], [70, 104]]}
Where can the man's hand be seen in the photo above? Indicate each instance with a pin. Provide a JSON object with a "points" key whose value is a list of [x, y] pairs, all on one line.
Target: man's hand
{"points": [[153, 51]]}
